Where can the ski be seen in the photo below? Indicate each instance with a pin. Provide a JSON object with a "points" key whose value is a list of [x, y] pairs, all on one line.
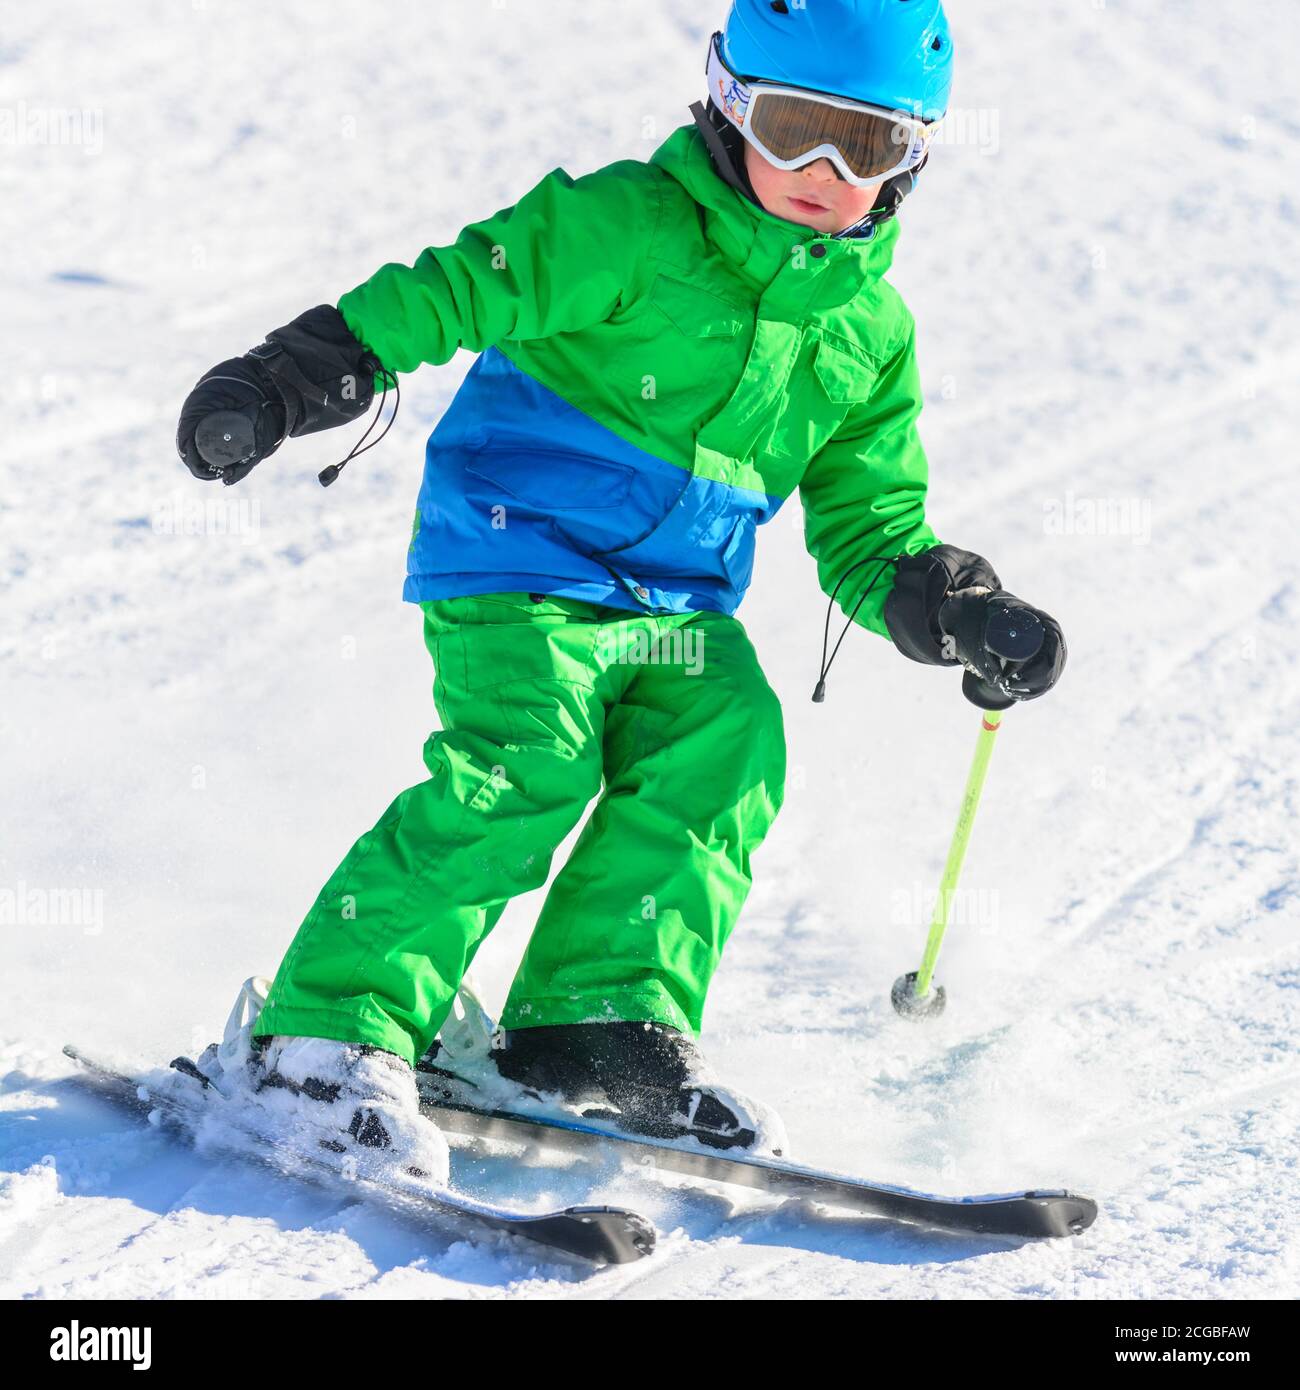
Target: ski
{"points": [[601, 1234], [1022, 1214]]}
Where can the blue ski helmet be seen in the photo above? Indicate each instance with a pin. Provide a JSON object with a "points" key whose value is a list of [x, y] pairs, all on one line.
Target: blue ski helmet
{"points": [[893, 53]]}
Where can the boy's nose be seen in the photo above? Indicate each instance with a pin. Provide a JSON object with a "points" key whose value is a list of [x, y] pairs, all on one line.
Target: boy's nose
{"points": [[820, 170]]}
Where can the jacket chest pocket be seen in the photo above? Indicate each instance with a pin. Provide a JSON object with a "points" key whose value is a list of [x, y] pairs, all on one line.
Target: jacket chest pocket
{"points": [[694, 312], [826, 383], [687, 351]]}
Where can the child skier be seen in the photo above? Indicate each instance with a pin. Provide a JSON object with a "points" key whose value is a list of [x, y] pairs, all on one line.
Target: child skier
{"points": [[667, 351]]}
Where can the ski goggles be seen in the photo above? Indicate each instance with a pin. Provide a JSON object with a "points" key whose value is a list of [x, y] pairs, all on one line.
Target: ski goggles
{"points": [[791, 127]]}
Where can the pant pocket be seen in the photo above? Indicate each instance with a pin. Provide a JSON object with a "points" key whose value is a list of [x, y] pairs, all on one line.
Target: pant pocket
{"points": [[514, 654]]}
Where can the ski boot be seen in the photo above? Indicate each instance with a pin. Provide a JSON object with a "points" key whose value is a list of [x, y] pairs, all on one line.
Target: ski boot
{"points": [[644, 1078], [353, 1107]]}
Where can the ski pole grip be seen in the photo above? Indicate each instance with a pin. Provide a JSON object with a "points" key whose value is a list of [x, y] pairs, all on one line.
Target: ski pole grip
{"points": [[1012, 633], [225, 438]]}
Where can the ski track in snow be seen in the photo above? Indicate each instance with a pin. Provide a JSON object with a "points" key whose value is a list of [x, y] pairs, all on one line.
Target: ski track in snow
{"points": [[195, 727]]}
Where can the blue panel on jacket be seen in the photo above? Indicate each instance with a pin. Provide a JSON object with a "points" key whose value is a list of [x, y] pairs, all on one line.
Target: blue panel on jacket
{"points": [[522, 491]]}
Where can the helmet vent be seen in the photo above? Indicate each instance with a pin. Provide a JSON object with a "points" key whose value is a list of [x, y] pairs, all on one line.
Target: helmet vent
{"points": [[780, 7], [937, 44]]}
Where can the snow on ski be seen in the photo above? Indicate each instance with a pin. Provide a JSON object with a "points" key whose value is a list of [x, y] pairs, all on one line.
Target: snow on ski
{"points": [[1032, 1214], [602, 1234]]}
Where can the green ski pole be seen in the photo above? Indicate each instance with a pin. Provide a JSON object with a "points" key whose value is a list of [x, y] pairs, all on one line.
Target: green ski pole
{"points": [[911, 995], [1021, 637]]}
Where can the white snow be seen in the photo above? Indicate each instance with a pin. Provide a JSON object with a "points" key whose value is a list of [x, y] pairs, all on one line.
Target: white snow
{"points": [[1103, 263]]}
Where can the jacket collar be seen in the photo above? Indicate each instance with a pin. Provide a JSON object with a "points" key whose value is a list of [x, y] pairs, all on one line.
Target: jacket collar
{"points": [[755, 241]]}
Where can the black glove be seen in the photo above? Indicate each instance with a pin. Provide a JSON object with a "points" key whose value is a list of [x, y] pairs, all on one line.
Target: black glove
{"points": [[948, 608], [310, 375], [1010, 651]]}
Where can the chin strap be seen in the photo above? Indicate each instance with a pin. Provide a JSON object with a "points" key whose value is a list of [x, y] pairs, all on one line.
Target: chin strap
{"points": [[727, 146], [892, 193]]}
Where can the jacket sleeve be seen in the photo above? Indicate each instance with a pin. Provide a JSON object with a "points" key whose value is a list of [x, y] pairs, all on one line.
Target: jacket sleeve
{"points": [[560, 259], [864, 492]]}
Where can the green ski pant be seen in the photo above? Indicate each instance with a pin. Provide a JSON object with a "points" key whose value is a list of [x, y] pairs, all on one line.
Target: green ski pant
{"points": [[541, 703]]}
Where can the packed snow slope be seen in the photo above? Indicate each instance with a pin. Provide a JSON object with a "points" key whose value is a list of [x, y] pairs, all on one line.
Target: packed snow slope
{"points": [[1103, 263]]}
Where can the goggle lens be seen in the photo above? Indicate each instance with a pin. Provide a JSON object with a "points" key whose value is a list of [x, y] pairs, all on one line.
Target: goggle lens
{"points": [[791, 127]]}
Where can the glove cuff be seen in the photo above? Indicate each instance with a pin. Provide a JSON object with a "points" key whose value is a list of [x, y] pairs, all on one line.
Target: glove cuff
{"points": [[323, 374], [921, 583]]}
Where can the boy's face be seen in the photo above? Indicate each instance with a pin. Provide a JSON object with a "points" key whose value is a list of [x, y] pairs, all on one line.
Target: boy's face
{"points": [[814, 196]]}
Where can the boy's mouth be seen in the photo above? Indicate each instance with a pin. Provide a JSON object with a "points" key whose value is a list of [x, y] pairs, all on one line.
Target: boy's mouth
{"points": [[808, 207]]}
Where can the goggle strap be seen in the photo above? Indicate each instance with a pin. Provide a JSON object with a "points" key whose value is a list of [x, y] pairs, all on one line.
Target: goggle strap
{"points": [[722, 160]]}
